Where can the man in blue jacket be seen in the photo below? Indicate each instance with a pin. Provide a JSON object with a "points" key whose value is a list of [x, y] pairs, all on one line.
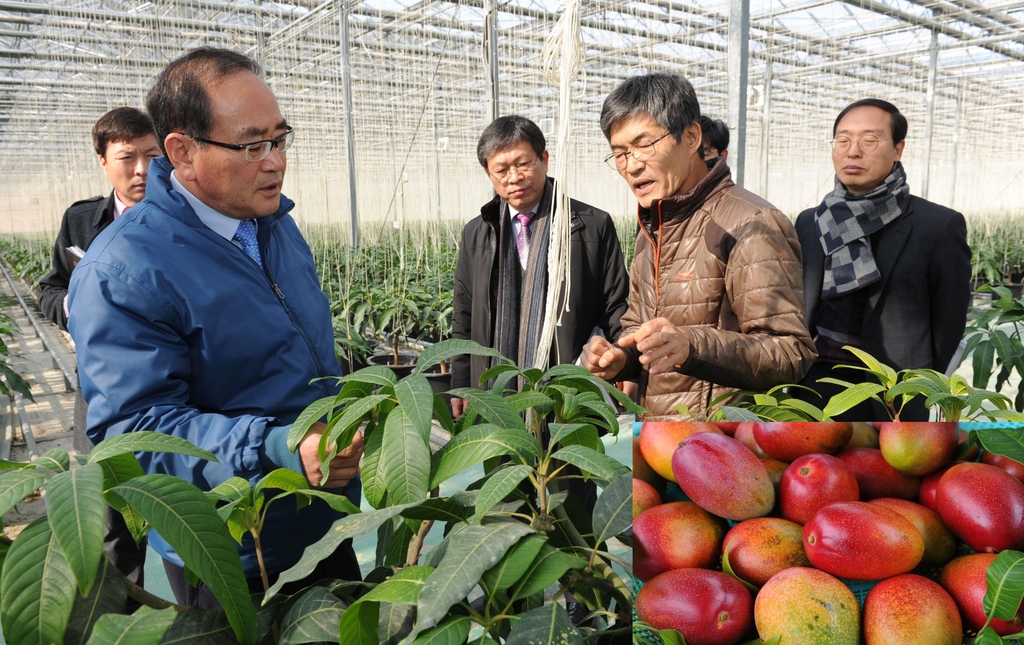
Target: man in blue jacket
{"points": [[199, 312]]}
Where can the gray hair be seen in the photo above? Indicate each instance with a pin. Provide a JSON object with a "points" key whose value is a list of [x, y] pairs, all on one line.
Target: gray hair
{"points": [[505, 132], [669, 99]]}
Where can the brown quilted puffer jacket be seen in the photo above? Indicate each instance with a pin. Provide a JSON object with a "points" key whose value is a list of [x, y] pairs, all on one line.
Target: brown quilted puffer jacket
{"points": [[725, 264]]}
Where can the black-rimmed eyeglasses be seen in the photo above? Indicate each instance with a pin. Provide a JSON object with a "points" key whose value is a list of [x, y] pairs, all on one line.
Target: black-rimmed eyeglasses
{"points": [[257, 150]]}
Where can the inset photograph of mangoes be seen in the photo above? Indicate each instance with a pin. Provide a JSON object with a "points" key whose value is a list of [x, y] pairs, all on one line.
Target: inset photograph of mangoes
{"points": [[801, 533]]}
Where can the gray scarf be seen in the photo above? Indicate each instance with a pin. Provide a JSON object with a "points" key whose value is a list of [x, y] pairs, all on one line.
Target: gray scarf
{"points": [[845, 223]]}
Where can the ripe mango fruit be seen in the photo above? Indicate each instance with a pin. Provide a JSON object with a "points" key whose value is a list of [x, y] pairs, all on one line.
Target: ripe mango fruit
{"points": [[723, 477], [677, 535], [918, 448], [659, 439], [807, 607], [862, 541], [789, 440], [911, 610], [983, 505], [759, 548], [706, 607]]}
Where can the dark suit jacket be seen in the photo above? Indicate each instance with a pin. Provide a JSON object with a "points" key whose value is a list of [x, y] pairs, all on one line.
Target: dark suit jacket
{"points": [[916, 314], [82, 222]]}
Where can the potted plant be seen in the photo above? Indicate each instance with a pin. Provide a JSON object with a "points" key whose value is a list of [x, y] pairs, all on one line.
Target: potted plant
{"points": [[501, 571]]}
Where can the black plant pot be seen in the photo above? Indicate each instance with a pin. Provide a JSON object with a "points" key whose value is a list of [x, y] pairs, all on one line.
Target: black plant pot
{"points": [[406, 363], [441, 383]]}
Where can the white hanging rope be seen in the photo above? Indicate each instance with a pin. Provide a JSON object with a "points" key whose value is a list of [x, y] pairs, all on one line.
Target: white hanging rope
{"points": [[562, 60]]}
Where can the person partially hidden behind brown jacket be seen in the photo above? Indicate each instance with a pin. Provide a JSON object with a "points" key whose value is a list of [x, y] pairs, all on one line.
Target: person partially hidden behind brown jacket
{"points": [[715, 294]]}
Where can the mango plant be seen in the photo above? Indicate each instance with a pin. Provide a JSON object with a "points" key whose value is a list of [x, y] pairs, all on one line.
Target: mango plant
{"points": [[956, 399], [514, 546]]}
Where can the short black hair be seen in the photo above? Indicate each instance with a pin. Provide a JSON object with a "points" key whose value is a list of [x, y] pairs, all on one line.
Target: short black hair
{"points": [[715, 132], [669, 99], [505, 132], [899, 122], [179, 102], [120, 125]]}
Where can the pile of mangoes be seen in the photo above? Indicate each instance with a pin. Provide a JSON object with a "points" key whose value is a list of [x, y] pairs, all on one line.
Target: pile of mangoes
{"points": [[772, 523]]}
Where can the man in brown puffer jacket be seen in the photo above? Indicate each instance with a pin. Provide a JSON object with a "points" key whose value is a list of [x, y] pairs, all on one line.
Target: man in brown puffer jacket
{"points": [[715, 294]]}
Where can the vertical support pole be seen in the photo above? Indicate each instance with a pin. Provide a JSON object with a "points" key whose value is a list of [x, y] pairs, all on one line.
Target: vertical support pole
{"points": [[491, 55], [766, 126], [956, 145], [929, 124], [350, 143], [739, 43], [259, 36]]}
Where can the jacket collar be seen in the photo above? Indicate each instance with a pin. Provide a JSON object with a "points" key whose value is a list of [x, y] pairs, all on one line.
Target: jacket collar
{"points": [[104, 212], [161, 194], [681, 206], [492, 211]]}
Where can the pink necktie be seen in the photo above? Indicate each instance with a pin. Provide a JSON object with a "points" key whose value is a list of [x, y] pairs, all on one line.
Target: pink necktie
{"points": [[523, 239]]}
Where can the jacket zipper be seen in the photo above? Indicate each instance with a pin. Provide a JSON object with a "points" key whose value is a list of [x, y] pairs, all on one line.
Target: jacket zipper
{"points": [[280, 296]]}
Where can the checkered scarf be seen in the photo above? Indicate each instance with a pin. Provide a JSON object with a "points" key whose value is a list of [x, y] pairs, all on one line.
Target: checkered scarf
{"points": [[845, 222]]}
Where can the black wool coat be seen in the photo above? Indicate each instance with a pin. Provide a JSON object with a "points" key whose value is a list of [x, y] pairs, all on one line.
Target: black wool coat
{"points": [[916, 313], [598, 282], [81, 223]]}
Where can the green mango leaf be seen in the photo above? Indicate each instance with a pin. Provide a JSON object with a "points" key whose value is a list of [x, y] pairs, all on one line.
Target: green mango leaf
{"points": [[443, 414], [472, 551], [474, 445], [56, 461], [1004, 580], [339, 503], [561, 430], [732, 413], [586, 436], [116, 470], [403, 588], [546, 625], [852, 396], [1002, 441], [549, 565], [75, 506], [314, 618], [491, 407], [669, 636], [9, 465], [513, 564], [314, 412], [16, 485], [988, 637], [604, 412], [284, 479], [199, 627], [416, 398], [981, 362], [231, 489], [187, 520], [373, 375], [146, 441], [448, 349], [107, 596], [145, 627], [453, 631], [344, 429], [440, 509], [498, 485], [803, 406], [405, 457], [507, 369], [521, 401], [372, 472], [590, 461], [341, 530], [613, 511], [395, 622], [359, 623], [37, 588]]}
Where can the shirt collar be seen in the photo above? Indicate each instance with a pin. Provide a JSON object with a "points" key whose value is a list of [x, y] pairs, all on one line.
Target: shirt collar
{"points": [[218, 222], [119, 206], [513, 212]]}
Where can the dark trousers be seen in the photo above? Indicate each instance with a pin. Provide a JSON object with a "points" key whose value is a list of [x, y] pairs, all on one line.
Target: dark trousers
{"points": [[869, 410], [118, 543], [340, 565]]}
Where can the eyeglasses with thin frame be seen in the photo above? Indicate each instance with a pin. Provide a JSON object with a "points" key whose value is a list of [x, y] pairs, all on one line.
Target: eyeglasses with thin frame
{"points": [[642, 150], [867, 143], [522, 169], [257, 150]]}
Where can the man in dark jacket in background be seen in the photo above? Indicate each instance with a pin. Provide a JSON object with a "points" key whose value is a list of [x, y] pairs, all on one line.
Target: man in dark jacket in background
{"points": [[125, 141], [503, 258], [884, 270]]}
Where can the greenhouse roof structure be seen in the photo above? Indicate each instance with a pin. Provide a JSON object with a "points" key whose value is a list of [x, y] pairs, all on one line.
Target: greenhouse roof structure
{"points": [[421, 83]]}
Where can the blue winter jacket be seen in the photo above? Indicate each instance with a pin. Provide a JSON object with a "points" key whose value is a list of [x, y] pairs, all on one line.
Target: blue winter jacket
{"points": [[177, 330]]}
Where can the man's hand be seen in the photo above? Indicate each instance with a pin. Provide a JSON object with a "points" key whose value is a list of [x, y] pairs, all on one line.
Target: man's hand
{"points": [[344, 467], [602, 358], [458, 407], [662, 345]]}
